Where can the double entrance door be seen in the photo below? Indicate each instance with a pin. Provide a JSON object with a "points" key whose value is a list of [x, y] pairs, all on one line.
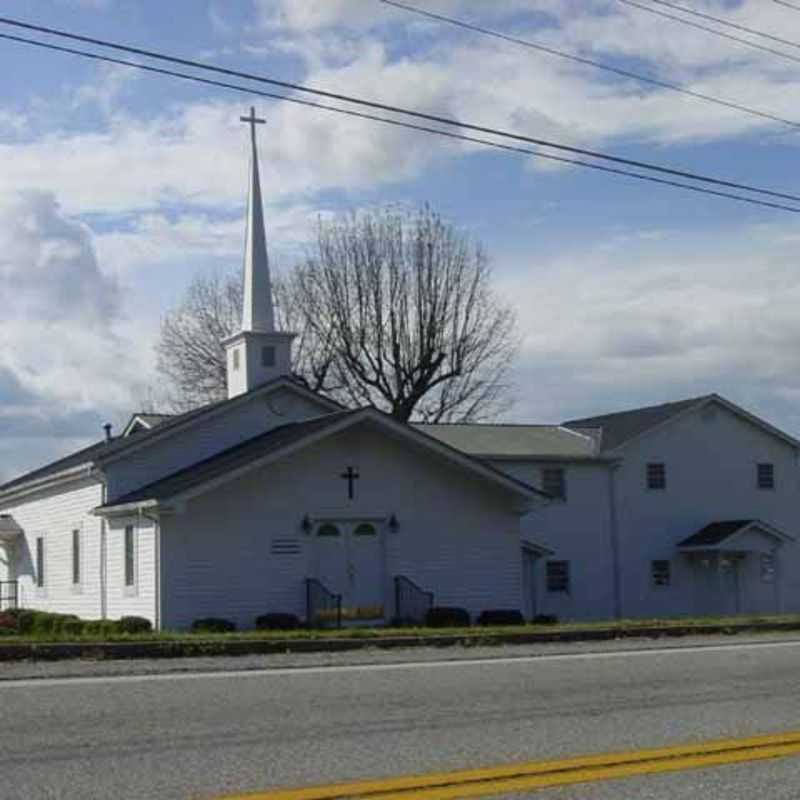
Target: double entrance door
{"points": [[348, 560]]}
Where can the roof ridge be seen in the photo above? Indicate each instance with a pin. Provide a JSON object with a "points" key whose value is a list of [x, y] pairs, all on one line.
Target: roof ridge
{"points": [[638, 409]]}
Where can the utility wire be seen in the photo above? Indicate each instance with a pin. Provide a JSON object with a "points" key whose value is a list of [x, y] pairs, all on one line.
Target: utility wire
{"points": [[725, 22], [574, 57], [628, 162], [714, 31], [786, 4], [400, 124]]}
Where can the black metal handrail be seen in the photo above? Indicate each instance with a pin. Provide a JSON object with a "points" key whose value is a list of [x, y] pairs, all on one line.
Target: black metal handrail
{"points": [[9, 595], [322, 605], [411, 601]]}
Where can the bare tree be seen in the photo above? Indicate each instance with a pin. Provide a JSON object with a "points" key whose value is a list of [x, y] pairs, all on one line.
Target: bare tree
{"points": [[190, 354], [392, 309], [191, 357], [415, 327]]}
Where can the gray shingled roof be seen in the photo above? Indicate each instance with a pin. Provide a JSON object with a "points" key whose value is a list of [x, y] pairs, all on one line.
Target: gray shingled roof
{"points": [[715, 533], [228, 460], [253, 449], [514, 440], [623, 426], [101, 450]]}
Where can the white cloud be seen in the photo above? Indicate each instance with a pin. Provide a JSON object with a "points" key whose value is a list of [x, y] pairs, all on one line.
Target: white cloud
{"points": [[655, 319], [62, 358]]}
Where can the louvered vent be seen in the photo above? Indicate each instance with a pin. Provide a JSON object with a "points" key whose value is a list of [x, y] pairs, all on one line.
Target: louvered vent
{"points": [[285, 547]]}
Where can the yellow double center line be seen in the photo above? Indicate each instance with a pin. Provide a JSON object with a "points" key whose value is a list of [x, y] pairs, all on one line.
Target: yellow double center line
{"points": [[545, 774]]}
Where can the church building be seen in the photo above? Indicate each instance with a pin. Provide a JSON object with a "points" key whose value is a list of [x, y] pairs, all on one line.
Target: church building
{"points": [[278, 499]]}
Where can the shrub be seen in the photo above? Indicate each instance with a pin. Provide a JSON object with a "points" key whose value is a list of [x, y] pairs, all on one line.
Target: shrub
{"points": [[100, 628], [41, 622], [134, 625], [447, 617], [73, 627], [277, 621], [545, 619], [404, 622], [213, 625], [501, 616], [8, 624]]}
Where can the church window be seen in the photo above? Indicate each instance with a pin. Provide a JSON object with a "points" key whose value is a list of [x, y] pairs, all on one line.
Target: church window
{"points": [[765, 476], [554, 482], [267, 356], [558, 578], [236, 359], [656, 476], [130, 556], [365, 529], [76, 557], [327, 529], [661, 570], [40, 561]]}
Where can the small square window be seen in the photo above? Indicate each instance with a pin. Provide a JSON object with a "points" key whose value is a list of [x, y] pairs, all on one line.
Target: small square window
{"points": [[656, 476], [557, 573], [267, 356], [661, 570], [554, 482], [765, 476]]}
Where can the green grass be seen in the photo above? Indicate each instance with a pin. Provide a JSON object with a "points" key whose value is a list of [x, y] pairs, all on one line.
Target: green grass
{"points": [[474, 633]]}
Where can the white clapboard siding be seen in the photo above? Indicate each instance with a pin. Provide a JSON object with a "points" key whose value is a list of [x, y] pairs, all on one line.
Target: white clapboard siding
{"points": [[711, 457], [53, 516], [578, 530], [457, 536], [140, 599], [212, 435]]}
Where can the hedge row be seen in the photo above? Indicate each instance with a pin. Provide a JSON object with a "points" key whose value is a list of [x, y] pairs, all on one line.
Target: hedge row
{"points": [[436, 617], [37, 623]]}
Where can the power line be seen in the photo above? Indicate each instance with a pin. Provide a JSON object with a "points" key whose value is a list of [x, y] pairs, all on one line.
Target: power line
{"points": [[786, 4], [727, 23], [714, 31], [574, 57], [399, 123], [372, 104]]}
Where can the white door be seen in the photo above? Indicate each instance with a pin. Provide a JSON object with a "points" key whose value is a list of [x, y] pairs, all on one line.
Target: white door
{"points": [[365, 591], [330, 556], [349, 561]]}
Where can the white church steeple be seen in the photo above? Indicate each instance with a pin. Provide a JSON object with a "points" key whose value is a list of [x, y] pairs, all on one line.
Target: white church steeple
{"points": [[258, 352]]}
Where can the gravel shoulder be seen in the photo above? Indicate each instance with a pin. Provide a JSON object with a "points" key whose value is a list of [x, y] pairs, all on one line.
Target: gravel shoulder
{"points": [[27, 670]]}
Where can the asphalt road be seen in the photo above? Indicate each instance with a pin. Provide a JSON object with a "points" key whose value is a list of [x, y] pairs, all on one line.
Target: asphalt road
{"points": [[201, 735]]}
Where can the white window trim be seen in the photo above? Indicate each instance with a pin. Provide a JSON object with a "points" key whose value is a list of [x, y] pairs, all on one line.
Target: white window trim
{"points": [[77, 588], [40, 591]]}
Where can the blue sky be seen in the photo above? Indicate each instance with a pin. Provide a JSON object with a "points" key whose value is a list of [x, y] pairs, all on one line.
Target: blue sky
{"points": [[117, 188]]}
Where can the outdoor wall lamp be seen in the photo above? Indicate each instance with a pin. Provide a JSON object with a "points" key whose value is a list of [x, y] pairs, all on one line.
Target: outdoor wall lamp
{"points": [[306, 525], [394, 525]]}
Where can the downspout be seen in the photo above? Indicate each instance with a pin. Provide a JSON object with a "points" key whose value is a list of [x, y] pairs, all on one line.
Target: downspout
{"points": [[157, 565], [616, 575]]}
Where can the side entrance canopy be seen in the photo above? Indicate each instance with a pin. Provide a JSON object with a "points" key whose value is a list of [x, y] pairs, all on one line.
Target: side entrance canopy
{"points": [[730, 536], [10, 530]]}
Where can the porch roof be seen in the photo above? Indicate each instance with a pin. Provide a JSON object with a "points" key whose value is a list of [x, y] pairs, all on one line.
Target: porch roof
{"points": [[720, 534], [10, 529]]}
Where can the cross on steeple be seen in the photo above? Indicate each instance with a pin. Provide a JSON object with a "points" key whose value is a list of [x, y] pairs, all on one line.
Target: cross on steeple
{"points": [[350, 475], [253, 120]]}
